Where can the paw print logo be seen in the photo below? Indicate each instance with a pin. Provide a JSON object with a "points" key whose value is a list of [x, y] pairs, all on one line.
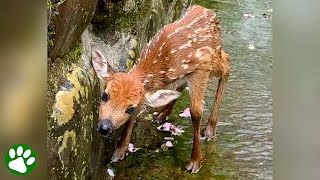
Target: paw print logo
{"points": [[20, 159]]}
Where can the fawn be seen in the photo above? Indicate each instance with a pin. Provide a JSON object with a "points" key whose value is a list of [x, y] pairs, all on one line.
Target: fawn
{"points": [[188, 51]]}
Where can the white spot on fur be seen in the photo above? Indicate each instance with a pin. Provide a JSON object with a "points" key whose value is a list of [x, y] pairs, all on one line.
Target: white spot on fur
{"points": [[181, 76], [194, 21], [206, 36], [161, 47], [183, 61], [149, 75], [197, 31], [184, 66], [176, 31], [154, 62], [209, 49], [188, 44], [171, 70], [173, 51], [198, 53], [162, 72], [172, 77], [145, 81]]}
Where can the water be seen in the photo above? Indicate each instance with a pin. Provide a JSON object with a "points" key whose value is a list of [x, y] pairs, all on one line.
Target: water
{"points": [[242, 148]]}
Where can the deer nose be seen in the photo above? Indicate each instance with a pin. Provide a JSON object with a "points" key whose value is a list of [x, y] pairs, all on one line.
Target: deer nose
{"points": [[104, 127]]}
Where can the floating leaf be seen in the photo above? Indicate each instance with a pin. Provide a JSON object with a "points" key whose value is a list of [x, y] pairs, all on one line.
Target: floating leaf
{"points": [[169, 144], [177, 131]]}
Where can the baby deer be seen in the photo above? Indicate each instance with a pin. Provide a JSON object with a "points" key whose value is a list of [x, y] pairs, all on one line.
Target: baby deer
{"points": [[188, 51]]}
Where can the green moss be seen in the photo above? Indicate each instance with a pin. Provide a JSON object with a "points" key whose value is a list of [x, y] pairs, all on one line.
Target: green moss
{"points": [[49, 112], [74, 55], [50, 38], [51, 31], [126, 23], [116, 19]]}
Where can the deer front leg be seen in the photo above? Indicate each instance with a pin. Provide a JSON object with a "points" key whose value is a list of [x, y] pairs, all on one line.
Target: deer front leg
{"points": [[166, 110], [197, 87], [122, 146], [209, 131]]}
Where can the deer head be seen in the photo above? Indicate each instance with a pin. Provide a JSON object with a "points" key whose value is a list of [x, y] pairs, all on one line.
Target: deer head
{"points": [[123, 96]]}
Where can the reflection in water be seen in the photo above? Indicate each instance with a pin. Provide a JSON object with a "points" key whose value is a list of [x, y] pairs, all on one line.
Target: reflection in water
{"points": [[242, 148]]}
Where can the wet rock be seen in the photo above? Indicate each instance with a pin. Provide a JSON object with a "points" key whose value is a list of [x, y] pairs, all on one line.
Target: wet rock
{"points": [[74, 147], [69, 20]]}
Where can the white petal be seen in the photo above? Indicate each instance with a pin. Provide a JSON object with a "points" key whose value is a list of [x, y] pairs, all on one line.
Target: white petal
{"points": [[169, 144], [111, 173], [166, 125], [169, 138]]}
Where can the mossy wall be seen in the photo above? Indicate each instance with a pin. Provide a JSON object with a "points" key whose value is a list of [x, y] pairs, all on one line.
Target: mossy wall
{"points": [[119, 28]]}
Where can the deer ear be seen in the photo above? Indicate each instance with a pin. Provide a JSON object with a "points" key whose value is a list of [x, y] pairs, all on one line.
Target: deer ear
{"points": [[161, 97], [100, 65]]}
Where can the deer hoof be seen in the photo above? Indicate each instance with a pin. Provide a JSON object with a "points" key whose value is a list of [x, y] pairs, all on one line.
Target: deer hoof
{"points": [[118, 155], [194, 166], [208, 133]]}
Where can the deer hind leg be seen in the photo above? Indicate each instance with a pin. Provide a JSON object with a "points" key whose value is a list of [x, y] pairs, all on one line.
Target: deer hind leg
{"points": [[122, 146], [197, 85], [210, 130], [166, 110]]}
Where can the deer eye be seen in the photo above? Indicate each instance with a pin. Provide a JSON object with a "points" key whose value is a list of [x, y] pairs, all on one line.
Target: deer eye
{"points": [[130, 110], [105, 97]]}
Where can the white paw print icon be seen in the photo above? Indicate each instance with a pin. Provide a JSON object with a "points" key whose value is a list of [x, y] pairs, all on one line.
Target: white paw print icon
{"points": [[20, 159]]}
